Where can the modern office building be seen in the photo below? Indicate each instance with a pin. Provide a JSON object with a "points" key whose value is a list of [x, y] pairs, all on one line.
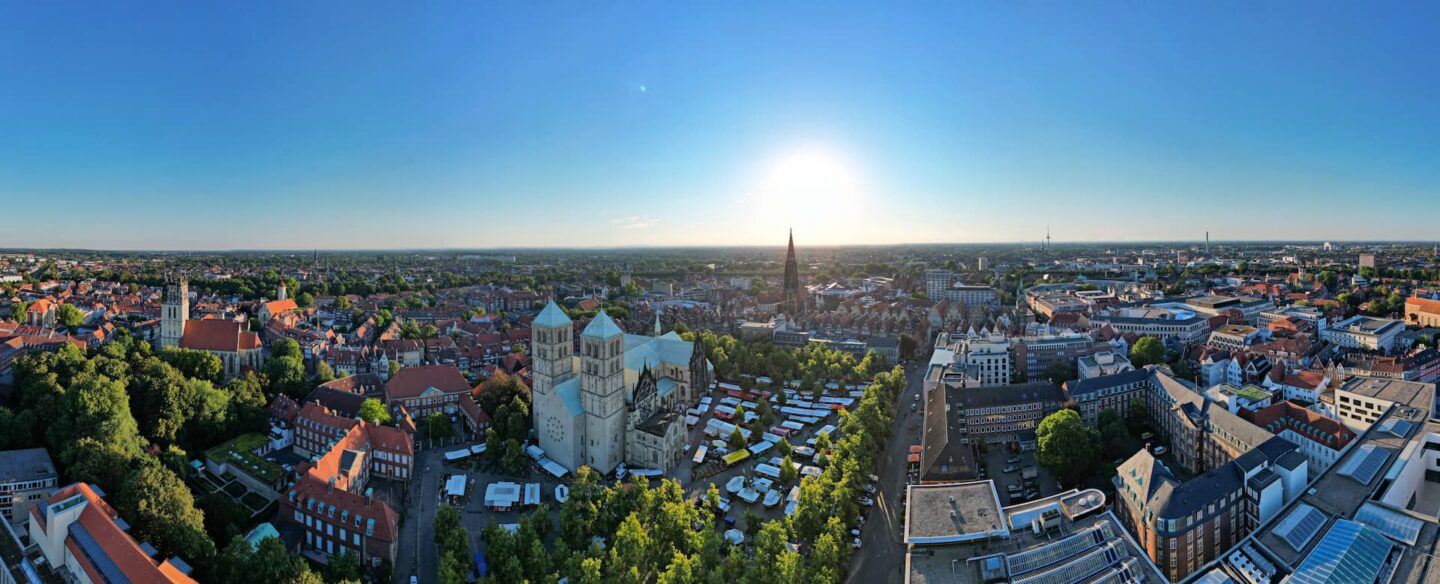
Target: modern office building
{"points": [[84, 540], [958, 533], [1362, 400], [1364, 332], [26, 478]]}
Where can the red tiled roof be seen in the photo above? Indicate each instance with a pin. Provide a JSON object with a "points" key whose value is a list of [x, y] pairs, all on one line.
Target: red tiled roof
{"points": [[412, 381], [218, 335], [279, 306], [367, 507], [1310, 424], [1423, 304], [98, 518]]}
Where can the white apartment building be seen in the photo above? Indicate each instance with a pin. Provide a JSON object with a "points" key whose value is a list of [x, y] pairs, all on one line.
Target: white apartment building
{"points": [[1364, 332]]}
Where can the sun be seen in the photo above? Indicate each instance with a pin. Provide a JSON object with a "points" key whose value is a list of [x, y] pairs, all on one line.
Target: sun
{"points": [[809, 188]]}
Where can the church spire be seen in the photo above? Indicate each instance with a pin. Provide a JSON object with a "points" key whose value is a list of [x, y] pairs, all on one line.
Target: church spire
{"points": [[791, 303], [657, 323]]}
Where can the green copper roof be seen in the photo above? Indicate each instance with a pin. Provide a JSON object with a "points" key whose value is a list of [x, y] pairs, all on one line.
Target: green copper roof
{"points": [[602, 327], [552, 317]]}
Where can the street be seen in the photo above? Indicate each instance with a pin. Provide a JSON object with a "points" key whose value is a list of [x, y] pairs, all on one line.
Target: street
{"points": [[881, 556]]}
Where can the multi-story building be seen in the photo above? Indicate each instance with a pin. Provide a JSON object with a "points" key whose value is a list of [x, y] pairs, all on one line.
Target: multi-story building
{"points": [[1118, 392], [1102, 364], [958, 533], [1367, 260], [1424, 312], [1362, 400], [1183, 329], [1309, 314], [946, 453], [1005, 414], [427, 389], [1035, 353], [84, 540], [330, 502], [1233, 337], [937, 282], [1364, 332], [1321, 439], [1304, 385], [1182, 525], [989, 359], [26, 477], [1051, 304]]}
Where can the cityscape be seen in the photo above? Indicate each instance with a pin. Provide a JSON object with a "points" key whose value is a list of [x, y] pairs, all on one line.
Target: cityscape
{"points": [[719, 294]]}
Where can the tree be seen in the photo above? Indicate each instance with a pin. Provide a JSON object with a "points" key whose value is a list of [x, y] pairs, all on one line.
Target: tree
{"points": [[1059, 372], [287, 376], [162, 511], [394, 368], [737, 439], [342, 302], [1114, 436], [344, 566], [1137, 416], [1066, 446], [374, 412], [908, 346], [1147, 351], [323, 372], [286, 348], [70, 316], [438, 425], [195, 364], [305, 300]]}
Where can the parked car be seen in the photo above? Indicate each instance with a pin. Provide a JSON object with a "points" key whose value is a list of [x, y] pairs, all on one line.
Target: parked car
{"points": [[867, 501], [1013, 460], [1160, 450], [874, 478], [1031, 494], [1011, 468]]}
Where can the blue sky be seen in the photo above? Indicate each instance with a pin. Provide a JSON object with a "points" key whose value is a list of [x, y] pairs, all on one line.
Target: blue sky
{"points": [[482, 124]]}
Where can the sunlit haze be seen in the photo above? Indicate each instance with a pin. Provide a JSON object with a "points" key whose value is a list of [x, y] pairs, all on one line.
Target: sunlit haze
{"points": [[477, 124]]}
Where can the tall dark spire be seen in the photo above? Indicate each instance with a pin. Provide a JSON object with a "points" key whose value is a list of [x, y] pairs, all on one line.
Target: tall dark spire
{"points": [[792, 303]]}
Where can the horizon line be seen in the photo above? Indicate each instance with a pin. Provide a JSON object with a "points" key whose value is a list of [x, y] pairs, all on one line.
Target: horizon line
{"points": [[1137, 242]]}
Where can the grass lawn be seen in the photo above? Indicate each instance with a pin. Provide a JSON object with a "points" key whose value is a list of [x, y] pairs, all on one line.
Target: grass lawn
{"points": [[239, 454]]}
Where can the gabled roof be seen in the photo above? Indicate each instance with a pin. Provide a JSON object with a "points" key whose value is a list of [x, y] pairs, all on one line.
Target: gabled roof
{"points": [[411, 382], [601, 327], [218, 335]]}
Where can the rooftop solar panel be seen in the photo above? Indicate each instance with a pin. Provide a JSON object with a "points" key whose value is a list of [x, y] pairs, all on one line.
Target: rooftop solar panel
{"points": [[1366, 463], [1300, 526], [1349, 552]]}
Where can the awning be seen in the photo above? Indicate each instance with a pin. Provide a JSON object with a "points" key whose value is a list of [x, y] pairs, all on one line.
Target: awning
{"points": [[455, 486], [553, 468]]}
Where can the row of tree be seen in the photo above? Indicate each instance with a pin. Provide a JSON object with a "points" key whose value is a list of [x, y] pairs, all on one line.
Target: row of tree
{"points": [[813, 365]]}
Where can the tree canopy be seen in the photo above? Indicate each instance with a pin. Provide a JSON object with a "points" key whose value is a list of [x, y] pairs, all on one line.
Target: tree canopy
{"points": [[1066, 446], [1147, 351]]}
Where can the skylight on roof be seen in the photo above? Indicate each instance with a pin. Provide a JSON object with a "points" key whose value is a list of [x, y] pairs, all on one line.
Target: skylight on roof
{"points": [[1300, 526]]}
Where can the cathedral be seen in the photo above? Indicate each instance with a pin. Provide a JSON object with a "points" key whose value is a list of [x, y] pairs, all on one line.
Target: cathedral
{"points": [[621, 399]]}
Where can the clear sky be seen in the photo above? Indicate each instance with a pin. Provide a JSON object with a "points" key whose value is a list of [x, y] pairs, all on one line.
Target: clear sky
{"points": [[203, 125]]}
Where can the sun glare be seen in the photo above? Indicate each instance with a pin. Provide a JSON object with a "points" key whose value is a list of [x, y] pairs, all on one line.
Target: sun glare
{"points": [[809, 189]]}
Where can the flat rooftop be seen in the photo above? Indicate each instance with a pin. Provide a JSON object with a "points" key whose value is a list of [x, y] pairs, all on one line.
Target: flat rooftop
{"points": [[1410, 393], [31, 464], [1237, 330], [952, 512], [1337, 495], [1369, 324], [989, 561]]}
